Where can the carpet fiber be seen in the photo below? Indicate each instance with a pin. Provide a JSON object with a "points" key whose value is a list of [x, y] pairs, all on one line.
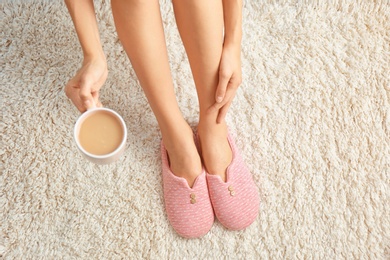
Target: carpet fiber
{"points": [[312, 118]]}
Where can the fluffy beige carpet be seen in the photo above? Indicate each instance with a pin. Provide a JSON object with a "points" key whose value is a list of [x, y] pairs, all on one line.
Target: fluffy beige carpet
{"points": [[312, 119]]}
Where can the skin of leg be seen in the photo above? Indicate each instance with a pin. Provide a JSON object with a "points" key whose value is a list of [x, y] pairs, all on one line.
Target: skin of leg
{"points": [[140, 30], [200, 23]]}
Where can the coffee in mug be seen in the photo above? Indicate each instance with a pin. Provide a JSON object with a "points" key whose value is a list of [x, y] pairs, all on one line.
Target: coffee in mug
{"points": [[100, 134]]}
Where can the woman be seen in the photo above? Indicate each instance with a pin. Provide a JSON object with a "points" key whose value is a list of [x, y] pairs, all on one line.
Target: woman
{"points": [[197, 183]]}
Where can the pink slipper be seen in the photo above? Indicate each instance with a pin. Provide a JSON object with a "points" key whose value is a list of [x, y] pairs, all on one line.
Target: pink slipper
{"points": [[189, 210], [236, 201]]}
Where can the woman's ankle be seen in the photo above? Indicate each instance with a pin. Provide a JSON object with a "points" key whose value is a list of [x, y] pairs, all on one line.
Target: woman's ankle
{"points": [[215, 149], [210, 127], [184, 159]]}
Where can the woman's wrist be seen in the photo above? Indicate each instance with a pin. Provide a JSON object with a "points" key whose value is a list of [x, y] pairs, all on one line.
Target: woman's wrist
{"points": [[84, 20], [96, 57], [94, 51], [233, 37], [232, 43], [233, 47]]}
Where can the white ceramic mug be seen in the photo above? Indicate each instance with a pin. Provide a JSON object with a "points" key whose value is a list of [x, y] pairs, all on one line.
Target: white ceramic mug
{"points": [[106, 158]]}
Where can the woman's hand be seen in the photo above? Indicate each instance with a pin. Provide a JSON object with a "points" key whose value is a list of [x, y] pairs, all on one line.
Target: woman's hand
{"points": [[230, 77], [83, 88]]}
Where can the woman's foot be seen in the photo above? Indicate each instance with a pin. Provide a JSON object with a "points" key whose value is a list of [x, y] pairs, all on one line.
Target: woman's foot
{"points": [[215, 149], [184, 159], [189, 210], [236, 201]]}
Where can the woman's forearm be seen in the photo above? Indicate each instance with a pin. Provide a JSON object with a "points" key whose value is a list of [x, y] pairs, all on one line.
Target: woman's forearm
{"points": [[232, 14], [84, 20]]}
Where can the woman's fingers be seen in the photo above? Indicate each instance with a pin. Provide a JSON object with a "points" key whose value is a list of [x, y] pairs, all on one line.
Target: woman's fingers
{"points": [[222, 86], [229, 95], [223, 111], [82, 97], [72, 93], [86, 93], [83, 88], [95, 96]]}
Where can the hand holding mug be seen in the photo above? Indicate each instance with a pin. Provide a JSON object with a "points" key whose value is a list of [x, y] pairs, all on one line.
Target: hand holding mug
{"points": [[83, 88]]}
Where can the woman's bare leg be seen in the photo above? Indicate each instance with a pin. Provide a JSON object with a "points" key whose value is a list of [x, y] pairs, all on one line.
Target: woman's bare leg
{"points": [[140, 30], [200, 24]]}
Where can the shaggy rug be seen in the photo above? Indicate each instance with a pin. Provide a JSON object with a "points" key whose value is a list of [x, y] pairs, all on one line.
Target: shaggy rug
{"points": [[312, 119]]}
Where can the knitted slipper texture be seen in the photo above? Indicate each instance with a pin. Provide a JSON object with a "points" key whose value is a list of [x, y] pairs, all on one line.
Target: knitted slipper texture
{"points": [[189, 210], [236, 202]]}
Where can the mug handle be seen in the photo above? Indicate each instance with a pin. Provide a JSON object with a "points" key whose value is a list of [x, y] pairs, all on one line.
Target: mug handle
{"points": [[93, 105]]}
